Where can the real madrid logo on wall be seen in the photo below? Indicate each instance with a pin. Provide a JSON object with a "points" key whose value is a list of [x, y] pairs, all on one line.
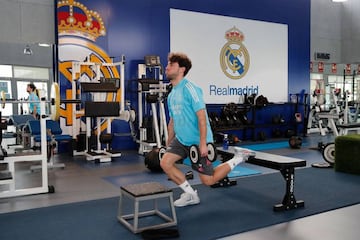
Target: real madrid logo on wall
{"points": [[234, 57], [78, 30]]}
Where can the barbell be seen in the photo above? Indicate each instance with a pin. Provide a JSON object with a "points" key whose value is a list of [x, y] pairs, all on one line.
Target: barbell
{"points": [[54, 101]]}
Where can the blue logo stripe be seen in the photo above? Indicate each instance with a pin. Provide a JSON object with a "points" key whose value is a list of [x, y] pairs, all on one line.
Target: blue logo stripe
{"points": [[233, 59]]}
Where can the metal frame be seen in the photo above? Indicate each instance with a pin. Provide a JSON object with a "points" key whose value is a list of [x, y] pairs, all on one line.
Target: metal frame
{"points": [[42, 158], [158, 115], [131, 221], [98, 155], [286, 166]]}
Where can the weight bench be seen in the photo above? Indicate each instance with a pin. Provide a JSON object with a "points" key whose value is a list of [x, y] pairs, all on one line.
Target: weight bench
{"points": [[345, 128], [286, 166], [53, 135]]}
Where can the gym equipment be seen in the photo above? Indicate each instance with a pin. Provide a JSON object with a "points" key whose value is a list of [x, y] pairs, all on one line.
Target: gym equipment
{"points": [[3, 152], [194, 153], [152, 93], [295, 142], [54, 136], [100, 110], [345, 128], [228, 115], [150, 191], [261, 101], [10, 162], [325, 120], [314, 123], [286, 166], [55, 101], [189, 175], [21, 133], [215, 121], [152, 159], [328, 153], [88, 79], [328, 150]]}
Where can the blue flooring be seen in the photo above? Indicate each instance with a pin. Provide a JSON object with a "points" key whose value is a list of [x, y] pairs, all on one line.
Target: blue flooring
{"points": [[147, 175]]}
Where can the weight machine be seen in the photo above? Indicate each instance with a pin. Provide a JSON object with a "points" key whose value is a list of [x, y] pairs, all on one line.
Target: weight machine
{"points": [[321, 120], [339, 124], [8, 176], [104, 106], [152, 91]]}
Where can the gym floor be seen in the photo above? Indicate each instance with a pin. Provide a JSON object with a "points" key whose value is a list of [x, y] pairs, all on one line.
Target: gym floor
{"points": [[83, 180]]}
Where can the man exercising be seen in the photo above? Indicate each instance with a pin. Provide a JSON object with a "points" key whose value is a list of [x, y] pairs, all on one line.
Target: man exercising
{"points": [[189, 125]]}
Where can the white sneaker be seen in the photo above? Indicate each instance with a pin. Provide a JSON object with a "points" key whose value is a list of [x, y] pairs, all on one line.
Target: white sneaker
{"points": [[187, 199], [244, 153]]}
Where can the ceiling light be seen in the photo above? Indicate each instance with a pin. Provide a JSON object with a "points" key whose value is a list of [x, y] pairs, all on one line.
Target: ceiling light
{"points": [[338, 0], [27, 50], [44, 44]]}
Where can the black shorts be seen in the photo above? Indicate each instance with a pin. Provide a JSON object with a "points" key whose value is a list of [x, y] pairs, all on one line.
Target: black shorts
{"points": [[204, 166]]}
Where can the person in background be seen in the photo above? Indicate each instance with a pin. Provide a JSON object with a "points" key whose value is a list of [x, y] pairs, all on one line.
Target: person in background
{"points": [[34, 105]]}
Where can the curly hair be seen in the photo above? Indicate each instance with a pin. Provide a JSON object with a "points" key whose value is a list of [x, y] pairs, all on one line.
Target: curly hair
{"points": [[182, 59]]}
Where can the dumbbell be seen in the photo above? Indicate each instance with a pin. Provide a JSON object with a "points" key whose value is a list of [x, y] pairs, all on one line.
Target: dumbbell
{"points": [[194, 153], [162, 151], [152, 159], [295, 142]]}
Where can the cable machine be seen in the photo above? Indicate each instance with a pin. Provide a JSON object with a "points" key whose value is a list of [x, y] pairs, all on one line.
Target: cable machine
{"points": [[105, 102], [152, 93]]}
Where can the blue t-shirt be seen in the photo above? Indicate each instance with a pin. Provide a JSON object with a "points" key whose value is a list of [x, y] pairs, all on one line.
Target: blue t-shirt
{"points": [[34, 97], [184, 100]]}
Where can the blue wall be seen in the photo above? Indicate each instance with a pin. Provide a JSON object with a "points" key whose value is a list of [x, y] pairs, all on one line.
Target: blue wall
{"points": [[137, 28]]}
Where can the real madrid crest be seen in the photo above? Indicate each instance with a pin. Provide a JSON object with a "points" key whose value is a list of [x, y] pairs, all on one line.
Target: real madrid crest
{"points": [[78, 30], [234, 57]]}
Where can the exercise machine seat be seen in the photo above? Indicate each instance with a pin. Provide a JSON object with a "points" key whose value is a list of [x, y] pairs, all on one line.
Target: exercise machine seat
{"points": [[55, 130], [20, 121]]}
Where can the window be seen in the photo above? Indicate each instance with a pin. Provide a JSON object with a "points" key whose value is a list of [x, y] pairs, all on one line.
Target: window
{"points": [[13, 84], [316, 82], [5, 92], [23, 95], [6, 71], [345, 84], [31, 72]]}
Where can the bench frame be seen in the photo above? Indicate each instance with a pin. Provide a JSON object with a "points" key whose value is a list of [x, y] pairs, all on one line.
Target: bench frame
{"points": [[285, 165]]}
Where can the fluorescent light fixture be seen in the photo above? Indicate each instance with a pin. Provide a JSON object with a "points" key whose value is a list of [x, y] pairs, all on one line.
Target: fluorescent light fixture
{"points": [[44, 44], [339, 0]]}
